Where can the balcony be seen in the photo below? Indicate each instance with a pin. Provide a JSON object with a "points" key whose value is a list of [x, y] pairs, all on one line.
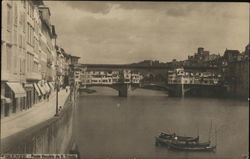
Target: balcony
{"points": [[33, 76]]}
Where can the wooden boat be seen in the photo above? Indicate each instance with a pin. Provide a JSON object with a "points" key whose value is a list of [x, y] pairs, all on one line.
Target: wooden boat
{"points": [[164, 138], [189, 144], [166, 141], [191, 148], [180, 138]]}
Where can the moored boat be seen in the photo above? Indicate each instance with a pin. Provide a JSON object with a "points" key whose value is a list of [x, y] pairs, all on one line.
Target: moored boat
{"points": [[164, 139], [185, 143], [191, 148]]}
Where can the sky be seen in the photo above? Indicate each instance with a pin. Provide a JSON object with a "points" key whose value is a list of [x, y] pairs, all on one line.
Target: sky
{"points": [[127, 32]]}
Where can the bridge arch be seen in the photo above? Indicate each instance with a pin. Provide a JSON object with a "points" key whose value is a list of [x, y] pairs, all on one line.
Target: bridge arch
{"points": [[122, 88]]}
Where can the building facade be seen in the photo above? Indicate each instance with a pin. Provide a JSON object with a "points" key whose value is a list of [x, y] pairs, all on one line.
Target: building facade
{"points": [[28, 55]]}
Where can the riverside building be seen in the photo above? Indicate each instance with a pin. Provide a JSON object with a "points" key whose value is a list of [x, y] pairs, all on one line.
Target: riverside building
{"points": [[28, 55]]}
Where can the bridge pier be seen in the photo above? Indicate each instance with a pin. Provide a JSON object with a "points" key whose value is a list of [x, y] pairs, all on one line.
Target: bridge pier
{"points": [[177, 90], [123, 90]]}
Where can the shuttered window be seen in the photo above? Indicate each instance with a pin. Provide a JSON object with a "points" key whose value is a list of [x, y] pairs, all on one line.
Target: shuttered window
{"points": [[9, 17], [16, 15], [8, 51]]}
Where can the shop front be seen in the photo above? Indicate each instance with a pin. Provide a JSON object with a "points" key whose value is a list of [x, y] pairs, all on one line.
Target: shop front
{"points": [[14, 92], [29, 95], [4, 102]]}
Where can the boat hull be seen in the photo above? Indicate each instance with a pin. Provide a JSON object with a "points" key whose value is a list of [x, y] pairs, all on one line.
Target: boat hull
{"points": [[165, 142], [199, 149]]}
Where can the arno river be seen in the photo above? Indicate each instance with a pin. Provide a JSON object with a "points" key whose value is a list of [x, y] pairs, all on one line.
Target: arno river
{"points": [[108, 126]]}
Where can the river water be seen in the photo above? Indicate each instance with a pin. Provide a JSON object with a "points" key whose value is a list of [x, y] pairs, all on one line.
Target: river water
{"points": [[108, 126]]}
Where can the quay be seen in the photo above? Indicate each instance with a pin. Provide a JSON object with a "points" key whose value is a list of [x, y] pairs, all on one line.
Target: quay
{"points": [[26, 119], [38, 130]]}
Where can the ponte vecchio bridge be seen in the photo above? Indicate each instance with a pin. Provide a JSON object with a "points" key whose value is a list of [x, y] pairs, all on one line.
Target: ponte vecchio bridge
{"points": [[123, 77]]}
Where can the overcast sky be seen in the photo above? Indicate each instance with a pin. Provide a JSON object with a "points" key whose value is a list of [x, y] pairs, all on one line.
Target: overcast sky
{"points": [[126, 32]]}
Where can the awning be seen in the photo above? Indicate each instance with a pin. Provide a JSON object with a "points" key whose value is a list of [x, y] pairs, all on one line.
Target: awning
{"points": [[17, 88], [7, 100], [37, 89], [42, 89], [51, 85], [46, 86]]}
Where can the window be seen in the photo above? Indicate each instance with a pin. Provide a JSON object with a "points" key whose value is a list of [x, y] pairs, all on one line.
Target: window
{"points": [[36, 49], [32, 11], [24, 3], [15, 59], [28, 61], [21, 68], [9, 17], [28, 7], [23, 65], [33, 37], [35, 45], [35, 24], [15, 37], [20, 41], [16, 15], [28, 33], [23, 42], [30, 36], [40, 39], [8, 51], [35, 68], [24, 23], [31, 61], [20, 18]]}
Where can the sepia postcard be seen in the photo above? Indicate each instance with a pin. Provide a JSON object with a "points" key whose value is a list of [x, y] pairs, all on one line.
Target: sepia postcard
{"points": [[124, 80]]}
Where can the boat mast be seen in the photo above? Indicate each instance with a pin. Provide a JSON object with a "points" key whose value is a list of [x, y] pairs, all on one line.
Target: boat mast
{"points": [[210, 131], [198, 131], [215, 135]]}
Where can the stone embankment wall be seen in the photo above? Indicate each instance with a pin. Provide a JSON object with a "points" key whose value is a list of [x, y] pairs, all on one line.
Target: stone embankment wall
{"points": [[51, 136]]}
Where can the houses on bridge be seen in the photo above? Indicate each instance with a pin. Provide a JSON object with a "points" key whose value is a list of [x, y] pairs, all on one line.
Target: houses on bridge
{"points": [[108, 77], [181, 76]]}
